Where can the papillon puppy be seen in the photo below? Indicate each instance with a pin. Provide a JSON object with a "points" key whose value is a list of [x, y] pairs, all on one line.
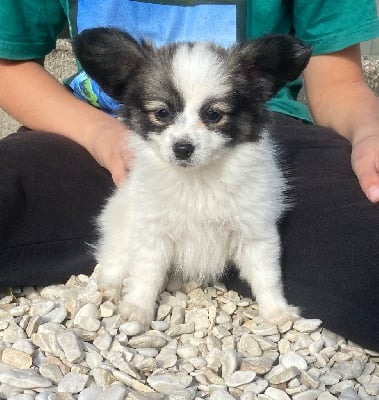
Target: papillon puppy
{"points": [[205, 189]]}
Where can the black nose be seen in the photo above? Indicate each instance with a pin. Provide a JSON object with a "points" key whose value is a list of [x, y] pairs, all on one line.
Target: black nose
{"points": [[183, 150]]}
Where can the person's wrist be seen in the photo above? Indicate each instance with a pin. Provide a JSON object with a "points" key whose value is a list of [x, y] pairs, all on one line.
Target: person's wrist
{"points": [[98, 129]]}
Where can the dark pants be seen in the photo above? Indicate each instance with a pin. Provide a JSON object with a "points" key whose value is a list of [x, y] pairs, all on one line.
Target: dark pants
{"points": [[51, 190]]}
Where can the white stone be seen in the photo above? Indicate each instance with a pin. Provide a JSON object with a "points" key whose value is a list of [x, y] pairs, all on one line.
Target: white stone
{"points": [[326, 396], [349, 369], [132, 328], [276, 394], [257, 387], [19, 311], [239, 378], [316, 346], [182, 394], [103, 341], [113, 322], [89, 294], [16, 358], [349, 394], [330, 378], [265, 329], [90, 393], [248, 346], [131, 382], [221, 395], [311, 394], [13, 332], [341, 386], [107, 309], [260, 365], [167, 383], [229, 363], [291, 359], [229, 308], [24, 396], [114, 392], [172, 300], [247, 396], [163, 311], [160, 325], [33, 325], [24, 345], [25, 379], [372, 389], [87, 323], [177, 315], [153, 341], [102, 377], [147, 351], [41, 308], [52, 372], [284, 376], [72, 383], [71, 345], [306, 325], [118, 361], [58, 315], [180, 329], [167, 358], [45, 396], [187, 351], [284, 346]]}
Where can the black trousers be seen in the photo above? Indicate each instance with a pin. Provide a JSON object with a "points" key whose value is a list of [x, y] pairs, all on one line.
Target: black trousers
{"points": [[51, 190]]}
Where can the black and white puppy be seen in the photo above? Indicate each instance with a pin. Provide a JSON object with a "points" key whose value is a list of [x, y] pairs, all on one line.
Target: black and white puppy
{"points": [[205, 188]]}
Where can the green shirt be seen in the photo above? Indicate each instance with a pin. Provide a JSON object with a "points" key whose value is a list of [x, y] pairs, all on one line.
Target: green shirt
{"points": [[29, 28]]}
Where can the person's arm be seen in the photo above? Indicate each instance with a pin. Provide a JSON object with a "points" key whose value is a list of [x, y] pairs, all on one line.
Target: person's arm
{"points": [[37, 100], [339, 98]]}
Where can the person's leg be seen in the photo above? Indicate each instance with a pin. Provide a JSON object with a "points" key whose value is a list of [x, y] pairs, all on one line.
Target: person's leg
{"points": [[330, 237], [51, 190]]}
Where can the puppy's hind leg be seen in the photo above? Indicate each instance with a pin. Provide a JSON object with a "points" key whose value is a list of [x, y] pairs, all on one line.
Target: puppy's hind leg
{"points": [[259, 265]]}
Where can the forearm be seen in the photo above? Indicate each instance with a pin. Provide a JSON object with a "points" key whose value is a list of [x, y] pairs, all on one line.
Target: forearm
{"points": [[37, 100], [351, 109], [340, 99]]}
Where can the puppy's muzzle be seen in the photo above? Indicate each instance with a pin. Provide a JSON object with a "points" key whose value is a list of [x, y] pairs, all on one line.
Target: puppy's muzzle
{"points": [[183, 150]]}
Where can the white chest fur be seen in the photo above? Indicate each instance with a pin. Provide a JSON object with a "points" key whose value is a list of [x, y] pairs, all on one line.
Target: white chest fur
{"points": [[198, 216]]}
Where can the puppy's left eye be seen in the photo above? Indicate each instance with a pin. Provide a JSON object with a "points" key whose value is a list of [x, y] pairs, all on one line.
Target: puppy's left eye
{"points": [[212, 116]]}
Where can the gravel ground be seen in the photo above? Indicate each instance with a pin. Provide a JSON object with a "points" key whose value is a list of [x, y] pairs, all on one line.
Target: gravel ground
{"points": [[65, 342]]}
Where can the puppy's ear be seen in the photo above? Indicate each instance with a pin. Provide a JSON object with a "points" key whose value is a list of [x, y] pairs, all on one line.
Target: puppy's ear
{"points": [[274, 59], [109, 56]]}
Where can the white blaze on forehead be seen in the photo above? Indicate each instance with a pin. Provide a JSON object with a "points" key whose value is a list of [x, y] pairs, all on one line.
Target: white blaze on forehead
{"points": [[198, 74]]}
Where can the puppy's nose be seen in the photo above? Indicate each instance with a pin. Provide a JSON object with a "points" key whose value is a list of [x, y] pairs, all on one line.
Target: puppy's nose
{"points": [[183, 150]]}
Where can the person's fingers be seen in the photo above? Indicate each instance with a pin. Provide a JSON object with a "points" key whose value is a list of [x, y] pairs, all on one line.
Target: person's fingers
{"points": [[119, 170], [365, 166]]}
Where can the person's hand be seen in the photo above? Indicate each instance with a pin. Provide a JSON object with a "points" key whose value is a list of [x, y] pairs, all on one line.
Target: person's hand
{"points": [[109, 147], [365, 163]]}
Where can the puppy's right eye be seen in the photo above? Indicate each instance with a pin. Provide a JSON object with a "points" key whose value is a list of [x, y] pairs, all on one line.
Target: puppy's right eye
{"points": [[163, 115]]}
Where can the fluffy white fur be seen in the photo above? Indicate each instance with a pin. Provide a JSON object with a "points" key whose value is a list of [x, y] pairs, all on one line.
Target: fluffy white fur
{"points": [[196, 218]]}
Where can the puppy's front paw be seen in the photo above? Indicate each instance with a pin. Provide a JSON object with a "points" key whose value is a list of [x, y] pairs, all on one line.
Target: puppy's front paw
{"points": [[111, 294], [109, 287], [280, 315], [133, 312]]}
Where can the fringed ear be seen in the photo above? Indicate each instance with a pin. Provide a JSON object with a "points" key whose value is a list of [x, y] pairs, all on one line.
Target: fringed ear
{"points": [[274, 59], [110, 57]]}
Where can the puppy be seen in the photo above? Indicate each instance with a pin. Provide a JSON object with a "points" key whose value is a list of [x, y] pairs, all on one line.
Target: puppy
{"points": [[205, 188]]}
